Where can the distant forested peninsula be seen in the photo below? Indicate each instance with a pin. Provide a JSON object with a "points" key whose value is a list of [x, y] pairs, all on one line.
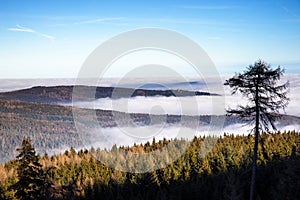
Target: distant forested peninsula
{"points": [[63, 94]]}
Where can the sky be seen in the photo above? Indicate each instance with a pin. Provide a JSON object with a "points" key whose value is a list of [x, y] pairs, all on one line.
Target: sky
{"points": [[52, 39]]}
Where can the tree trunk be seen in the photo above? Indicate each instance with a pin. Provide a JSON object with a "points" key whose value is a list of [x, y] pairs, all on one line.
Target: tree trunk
{"points": [[252, 186]]}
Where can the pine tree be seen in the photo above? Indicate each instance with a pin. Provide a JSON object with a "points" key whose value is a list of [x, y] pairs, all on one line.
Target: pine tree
{"points": [[266, 97], [30, 182]]}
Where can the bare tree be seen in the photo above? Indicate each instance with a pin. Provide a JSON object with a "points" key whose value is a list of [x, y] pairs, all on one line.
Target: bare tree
{"points": [[259, 84]]}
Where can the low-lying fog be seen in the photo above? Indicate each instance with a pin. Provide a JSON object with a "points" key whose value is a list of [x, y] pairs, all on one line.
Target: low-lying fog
{"points": [[203, 105], [127, 136], [197, 105]]}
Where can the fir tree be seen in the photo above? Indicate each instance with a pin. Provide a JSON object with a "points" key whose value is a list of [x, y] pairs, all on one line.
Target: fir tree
{"points": [[30, 182], [266, 97]]}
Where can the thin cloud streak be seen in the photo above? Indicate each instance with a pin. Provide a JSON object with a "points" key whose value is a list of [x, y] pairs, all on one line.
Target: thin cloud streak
{"points": [[122, 21], [50, 37], [295, 18], [188, 21], [127, 21], [207, 7], [174, 21], [100, 20], [288, 11], [22, 29], [19, 28]]}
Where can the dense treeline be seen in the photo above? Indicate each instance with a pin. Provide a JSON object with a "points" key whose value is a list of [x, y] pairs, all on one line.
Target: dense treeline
{"points": [[222, 172]]}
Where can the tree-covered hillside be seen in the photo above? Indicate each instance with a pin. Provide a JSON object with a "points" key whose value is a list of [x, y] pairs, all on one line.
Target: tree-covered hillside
{"points": [[64, 94], [222, 173], [52, 128]]}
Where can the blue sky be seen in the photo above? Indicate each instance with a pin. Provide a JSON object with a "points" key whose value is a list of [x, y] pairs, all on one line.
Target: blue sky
{"points": [[51, 39]]}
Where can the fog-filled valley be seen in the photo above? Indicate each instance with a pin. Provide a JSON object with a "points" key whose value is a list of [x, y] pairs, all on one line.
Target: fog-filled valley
{"points": [[148, 117]]}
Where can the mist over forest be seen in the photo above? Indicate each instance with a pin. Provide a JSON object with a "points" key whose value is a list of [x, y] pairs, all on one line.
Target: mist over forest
{"points": [[156, 116]]}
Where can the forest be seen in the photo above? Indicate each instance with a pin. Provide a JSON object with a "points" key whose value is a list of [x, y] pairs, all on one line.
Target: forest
{"points": [[52, 128], [65, 94], [222, 172], [205, 167]]}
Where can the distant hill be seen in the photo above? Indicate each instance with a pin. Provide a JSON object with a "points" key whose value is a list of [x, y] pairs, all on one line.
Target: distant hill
{"points": [[52, 127], [63, 94], [36, 112]]}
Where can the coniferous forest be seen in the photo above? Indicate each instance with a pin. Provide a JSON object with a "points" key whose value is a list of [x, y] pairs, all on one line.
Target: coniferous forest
{"points": [[206, 167], [224, 172], [149, 100]]}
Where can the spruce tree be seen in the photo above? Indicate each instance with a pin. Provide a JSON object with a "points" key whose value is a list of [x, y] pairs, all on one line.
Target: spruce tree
{"points": [[259, 84], [30, 181]]}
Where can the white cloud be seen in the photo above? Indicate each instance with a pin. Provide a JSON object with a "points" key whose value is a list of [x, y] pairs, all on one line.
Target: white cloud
{"points": [[19, 28], [100, 20], [50, 37]]}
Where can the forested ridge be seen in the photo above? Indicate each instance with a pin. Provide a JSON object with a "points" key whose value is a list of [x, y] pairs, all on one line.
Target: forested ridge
{"points": [[52, 128], [64, 94], [220, 173]]}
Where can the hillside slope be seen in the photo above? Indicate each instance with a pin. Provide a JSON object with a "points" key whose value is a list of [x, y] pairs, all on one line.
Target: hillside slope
{"points": [[63, 94]]}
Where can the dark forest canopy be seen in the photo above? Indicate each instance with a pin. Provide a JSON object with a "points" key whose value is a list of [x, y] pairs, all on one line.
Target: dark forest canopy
{"points": [[222, 173]]}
